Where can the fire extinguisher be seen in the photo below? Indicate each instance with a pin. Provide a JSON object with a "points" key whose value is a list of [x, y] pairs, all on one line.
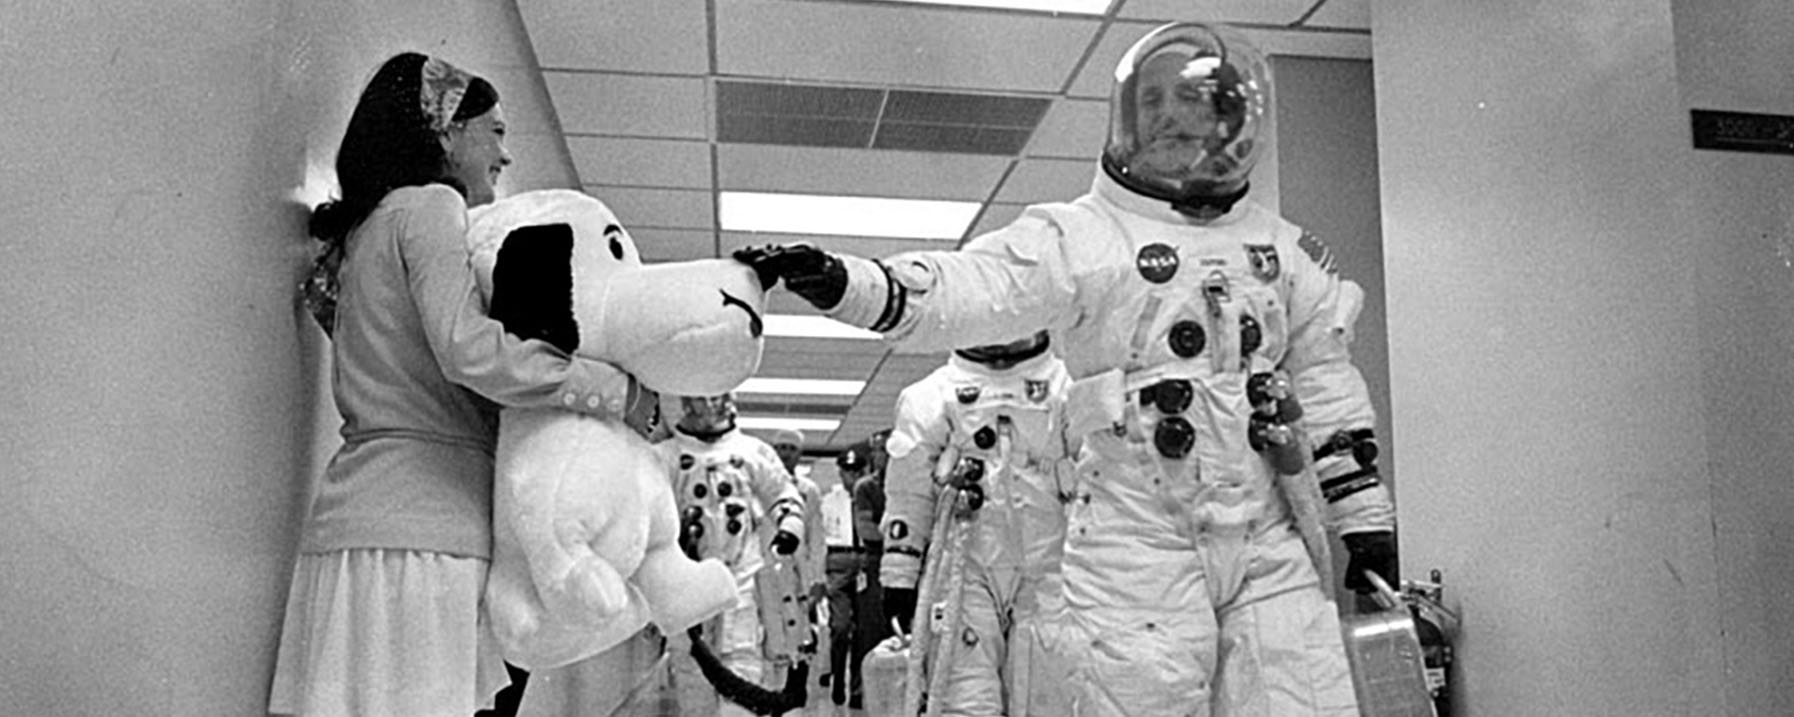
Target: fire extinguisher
{"points": [[1436, 626]]}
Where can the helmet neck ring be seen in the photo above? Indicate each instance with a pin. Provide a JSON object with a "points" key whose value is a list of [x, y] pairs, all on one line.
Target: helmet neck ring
{"points": [[1197, 200]]}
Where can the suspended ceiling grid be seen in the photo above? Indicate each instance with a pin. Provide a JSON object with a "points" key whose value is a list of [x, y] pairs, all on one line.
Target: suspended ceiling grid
{"points": [[661, 104]]}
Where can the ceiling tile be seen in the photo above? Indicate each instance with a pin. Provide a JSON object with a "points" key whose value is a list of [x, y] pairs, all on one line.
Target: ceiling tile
{"points": [[931, 107], [777, 302], [773, 405], [917, 365], [857, 172], [801, 115], [659, 208], [827, 359], [663, 36], [795, 131], [629, 105], [661, 245], [868, 247], [1072, 129], [958, 122], [997, 216], [1265, 12], [1047, 180], [848, 117], [1097, 76], [959, 139], [1353, 14], [839, 354], [641, 162], [899, 45], [789, 100]]}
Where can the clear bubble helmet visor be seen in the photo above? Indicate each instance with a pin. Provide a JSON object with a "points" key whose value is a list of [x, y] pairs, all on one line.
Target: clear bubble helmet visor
{"points": [[1187, 112], [716, 413]]}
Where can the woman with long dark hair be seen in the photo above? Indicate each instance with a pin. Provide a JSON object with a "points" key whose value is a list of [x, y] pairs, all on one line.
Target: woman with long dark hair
{"points": [[383, 617]]}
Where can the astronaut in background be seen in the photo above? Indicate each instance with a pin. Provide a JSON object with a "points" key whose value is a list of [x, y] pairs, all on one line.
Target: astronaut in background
{"points": [[812, 555], [737, 503], [997, 414], [1222, 421]]}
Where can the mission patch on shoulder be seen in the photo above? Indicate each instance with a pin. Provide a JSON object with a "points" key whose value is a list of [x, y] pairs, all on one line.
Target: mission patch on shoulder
{"points": [[1318, 251]]}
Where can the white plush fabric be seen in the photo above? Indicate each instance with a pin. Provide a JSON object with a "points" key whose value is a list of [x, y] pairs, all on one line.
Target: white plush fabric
{"points": [[584, 524]]}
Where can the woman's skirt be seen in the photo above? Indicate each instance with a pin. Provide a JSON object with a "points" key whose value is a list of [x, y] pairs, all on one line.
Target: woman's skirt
{"points": [[386, 632]]}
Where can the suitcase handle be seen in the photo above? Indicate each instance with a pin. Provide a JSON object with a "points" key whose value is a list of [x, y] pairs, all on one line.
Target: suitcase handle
{"points": [[1386, 596]]}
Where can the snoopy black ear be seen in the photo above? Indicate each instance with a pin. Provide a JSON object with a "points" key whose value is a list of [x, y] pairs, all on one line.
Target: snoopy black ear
{"points": [[532, 285]]}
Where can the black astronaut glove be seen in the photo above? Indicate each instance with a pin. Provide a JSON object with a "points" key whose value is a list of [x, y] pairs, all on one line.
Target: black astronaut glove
{"points": [[785, 542], [900, 603], [811, 273], [1373, 551]]}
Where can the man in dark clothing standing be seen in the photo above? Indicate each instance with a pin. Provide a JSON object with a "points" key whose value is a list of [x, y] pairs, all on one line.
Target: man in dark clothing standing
{"points": [[870, 626], [844, 570]]}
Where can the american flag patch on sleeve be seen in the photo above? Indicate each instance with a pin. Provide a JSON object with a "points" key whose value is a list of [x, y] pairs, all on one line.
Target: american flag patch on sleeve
{"points": [[1318, 251]]}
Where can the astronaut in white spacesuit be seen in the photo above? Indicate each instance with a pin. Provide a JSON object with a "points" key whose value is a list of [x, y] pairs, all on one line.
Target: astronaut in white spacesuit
{"points": [[738, 504], [1221, 417], [996, 414], [788, 443]]}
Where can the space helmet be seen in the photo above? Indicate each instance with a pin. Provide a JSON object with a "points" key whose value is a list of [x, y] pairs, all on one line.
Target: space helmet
{"points": [[1187, 117], [707, 415]]}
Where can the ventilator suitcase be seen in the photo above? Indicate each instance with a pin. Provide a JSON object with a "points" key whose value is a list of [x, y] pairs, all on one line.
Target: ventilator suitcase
{"points": [[1388, 667], [883, 671]]}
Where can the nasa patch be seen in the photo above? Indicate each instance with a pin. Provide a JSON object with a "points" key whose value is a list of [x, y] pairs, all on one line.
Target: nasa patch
{"points": [[1157, 263], [686, 461], [966, 394]]}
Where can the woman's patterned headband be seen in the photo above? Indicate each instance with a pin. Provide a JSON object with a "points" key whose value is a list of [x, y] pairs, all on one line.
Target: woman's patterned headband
{"points": [[443, 86]]}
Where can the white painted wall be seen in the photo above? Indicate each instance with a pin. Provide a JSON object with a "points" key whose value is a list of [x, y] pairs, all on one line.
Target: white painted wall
{"points": [[1590, 347], [161, 389], [1736, 55], [1327, 132], [1327, 139]]}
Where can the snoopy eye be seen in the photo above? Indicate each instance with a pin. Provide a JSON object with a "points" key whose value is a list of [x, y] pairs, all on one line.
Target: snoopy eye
{"points": [[699, 491], [615, 233]]}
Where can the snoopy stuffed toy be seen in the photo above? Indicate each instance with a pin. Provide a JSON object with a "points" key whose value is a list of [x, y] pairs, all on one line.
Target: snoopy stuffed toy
{"points": [[585, 533]]}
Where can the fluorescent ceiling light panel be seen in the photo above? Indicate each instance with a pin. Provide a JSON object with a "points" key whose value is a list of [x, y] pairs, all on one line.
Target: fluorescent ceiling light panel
{"points": [[799, 326], [1080, 7], [770, 423], [803, 386], [845, 216]]}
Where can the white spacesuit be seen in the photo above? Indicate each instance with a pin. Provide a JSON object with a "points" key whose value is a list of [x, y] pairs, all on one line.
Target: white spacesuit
{"points": [[812, 555], [1210, 340], [996, 413], [738, 504]]}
